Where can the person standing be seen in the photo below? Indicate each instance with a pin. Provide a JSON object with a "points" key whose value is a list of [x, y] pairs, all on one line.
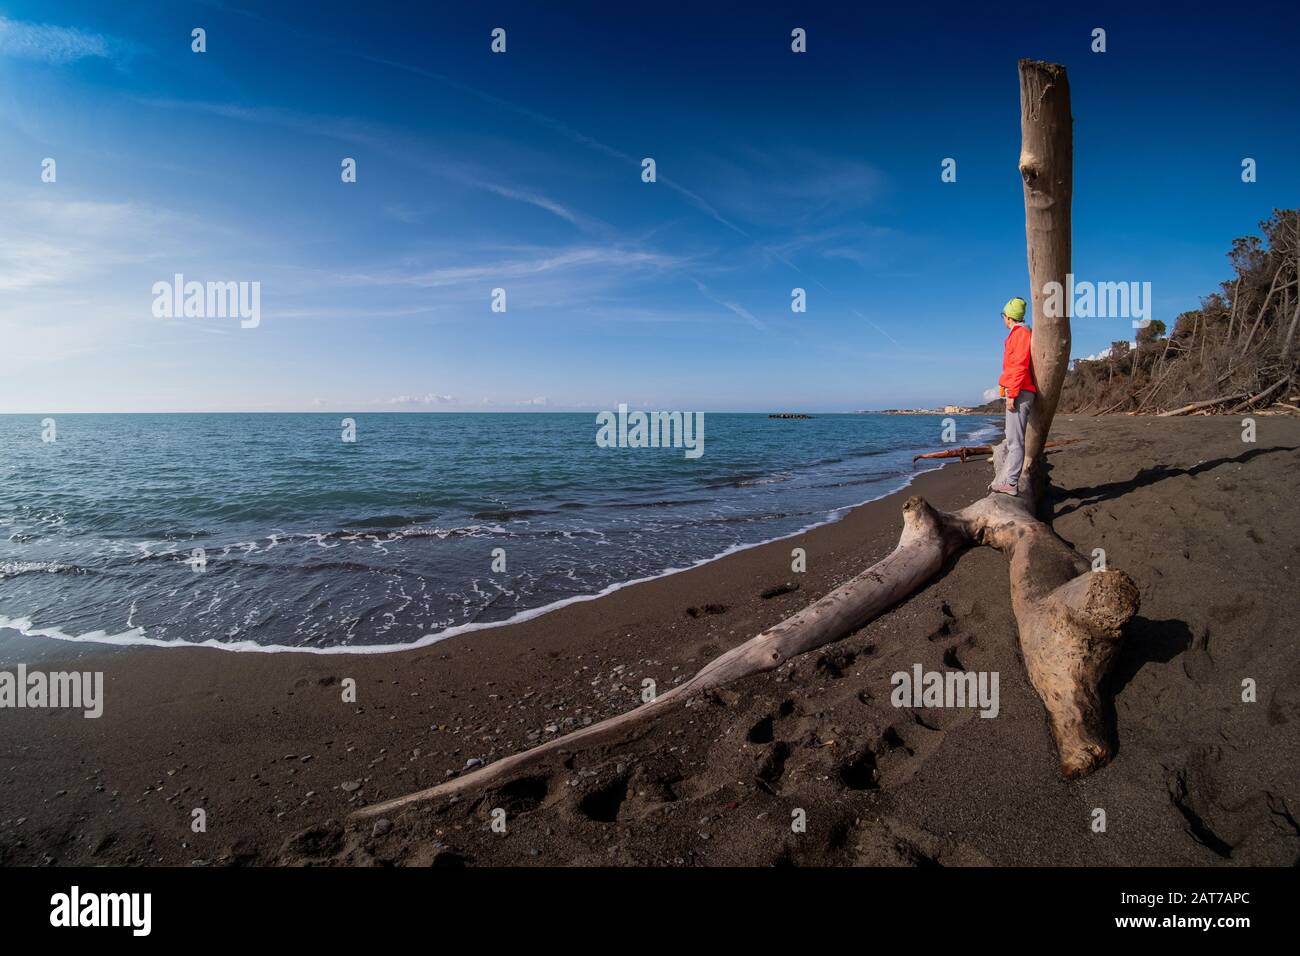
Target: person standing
{"points": [[1016, 385]]}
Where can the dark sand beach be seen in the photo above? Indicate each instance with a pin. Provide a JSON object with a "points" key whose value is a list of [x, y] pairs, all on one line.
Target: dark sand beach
{"points": [[1206, 524]]}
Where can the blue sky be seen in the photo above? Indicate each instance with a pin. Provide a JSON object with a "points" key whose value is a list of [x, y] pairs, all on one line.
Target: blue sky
{"points": [[523, 171]]}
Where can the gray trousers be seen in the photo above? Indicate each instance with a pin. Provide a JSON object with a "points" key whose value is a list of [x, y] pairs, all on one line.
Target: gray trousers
{"points": [[1016, 422]]}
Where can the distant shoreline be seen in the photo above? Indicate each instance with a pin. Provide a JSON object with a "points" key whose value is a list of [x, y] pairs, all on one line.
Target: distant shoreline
{"points": [[969, 412]]}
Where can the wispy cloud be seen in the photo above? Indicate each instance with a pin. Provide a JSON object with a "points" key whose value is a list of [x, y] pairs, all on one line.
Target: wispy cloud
{"points": [[857, 242], [412, 214], [532, 198], [393, 143], [49, 242], [429, 398], [733, 307], [829, 181], [390, 142], [521, 267], [859, 314], [54, 44], [76, 274]]}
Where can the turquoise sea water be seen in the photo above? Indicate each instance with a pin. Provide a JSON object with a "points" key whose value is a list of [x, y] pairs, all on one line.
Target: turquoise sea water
{"points": [[311, 542]]}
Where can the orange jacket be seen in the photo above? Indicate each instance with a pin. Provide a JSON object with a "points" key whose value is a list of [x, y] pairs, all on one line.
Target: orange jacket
{"points": [[1017, 367]]}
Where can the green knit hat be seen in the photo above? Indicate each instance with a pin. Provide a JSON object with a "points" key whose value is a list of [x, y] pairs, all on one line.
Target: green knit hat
{"points": [[1015, 309]]}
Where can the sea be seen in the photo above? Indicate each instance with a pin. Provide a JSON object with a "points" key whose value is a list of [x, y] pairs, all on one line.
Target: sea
{"points": [[271, 532]]}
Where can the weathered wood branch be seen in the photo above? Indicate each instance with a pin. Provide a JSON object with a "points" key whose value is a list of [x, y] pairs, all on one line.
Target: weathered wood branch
{"points": [[1259, 317], [1254, 399], [1070, 620], [1111, 408], [1290, 332], [925, 544], [1154, 388], [966, 451], [1197, 406], [1232, 317]]}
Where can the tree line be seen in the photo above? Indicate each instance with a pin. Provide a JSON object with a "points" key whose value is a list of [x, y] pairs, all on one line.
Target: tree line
{"points": [[1236, 352]]}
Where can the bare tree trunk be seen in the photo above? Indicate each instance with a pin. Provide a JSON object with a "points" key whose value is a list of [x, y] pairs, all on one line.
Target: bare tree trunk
{"points": [[1070, 618], [1047, 168], [1169, 341], [1154, 388], [1264, 394], [1262, 309], [1290, 333], [1197, 406], [1110, 408], [1232, 317]]}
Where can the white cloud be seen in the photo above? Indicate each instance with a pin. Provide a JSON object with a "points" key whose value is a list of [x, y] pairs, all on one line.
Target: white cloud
{"points": [[1104, 353], [76, 275], [40, 41], [429, 398], [51, 242]]}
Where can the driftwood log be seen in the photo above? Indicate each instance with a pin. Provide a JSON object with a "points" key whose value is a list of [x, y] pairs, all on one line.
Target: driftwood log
{"points": [[1225, 399], [1255, 399], [1197, 406], [966, 451], [1070, 618]]}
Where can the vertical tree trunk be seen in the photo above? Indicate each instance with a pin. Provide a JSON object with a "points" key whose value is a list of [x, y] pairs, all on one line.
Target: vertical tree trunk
{"points": [[1047, 168], [1232, 316], [1277, 274], [1290, 332]]}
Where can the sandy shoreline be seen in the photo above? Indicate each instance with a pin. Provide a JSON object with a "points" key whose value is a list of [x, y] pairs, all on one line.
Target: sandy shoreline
{"points": [[264, 743]]}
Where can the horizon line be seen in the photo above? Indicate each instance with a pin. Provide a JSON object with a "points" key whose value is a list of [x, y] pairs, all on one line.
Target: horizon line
{"points": [[514, 411]]}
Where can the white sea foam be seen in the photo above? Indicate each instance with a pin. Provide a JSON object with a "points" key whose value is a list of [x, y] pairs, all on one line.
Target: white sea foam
{"points": [[9, 569]]}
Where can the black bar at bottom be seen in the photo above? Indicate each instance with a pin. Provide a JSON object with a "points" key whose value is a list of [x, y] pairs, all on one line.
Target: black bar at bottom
{"points": [[440, 905]]}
